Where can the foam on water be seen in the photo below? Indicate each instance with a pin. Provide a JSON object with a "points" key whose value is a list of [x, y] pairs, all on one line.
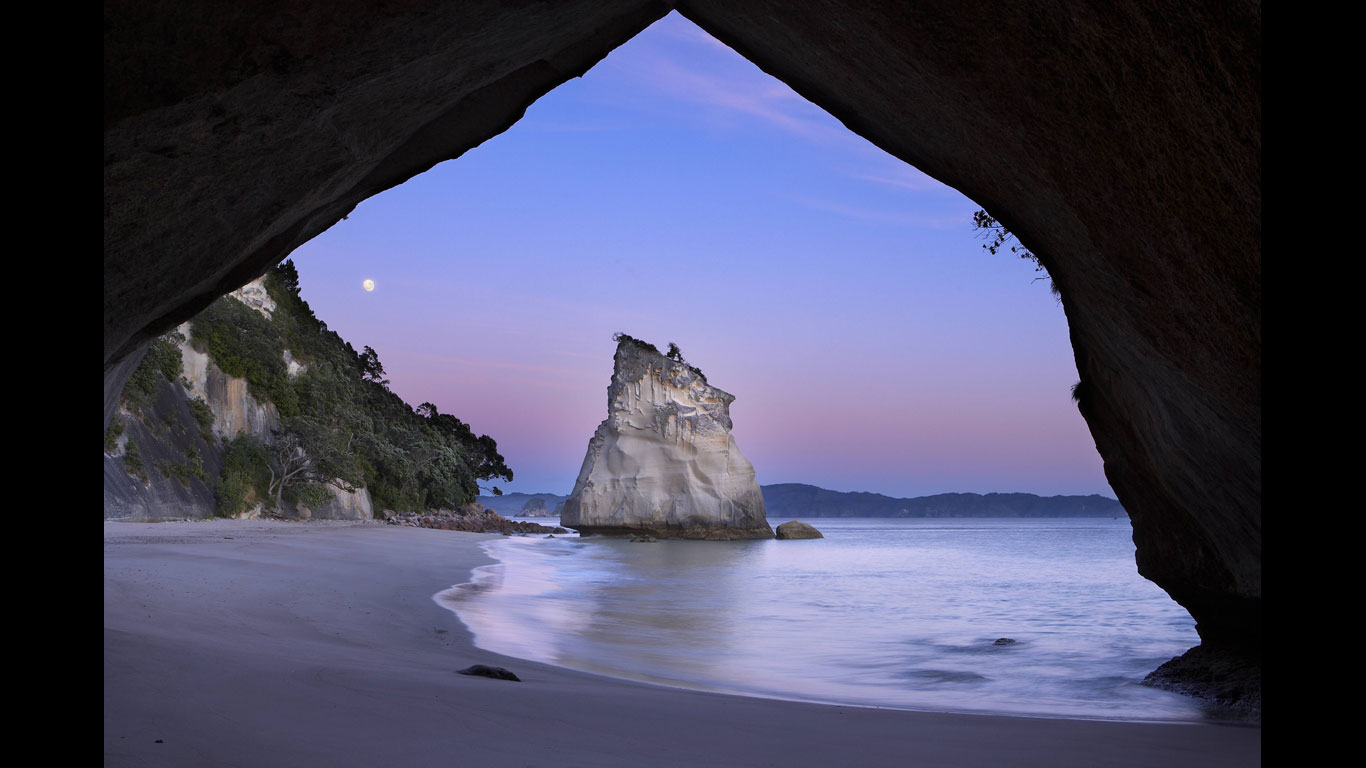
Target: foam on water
{"points": [[885, 613]]}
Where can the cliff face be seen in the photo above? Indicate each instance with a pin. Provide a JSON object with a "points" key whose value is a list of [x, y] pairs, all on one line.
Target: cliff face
{"points": [[664, 461], [162, 439], [235, 411], [180, 460]]}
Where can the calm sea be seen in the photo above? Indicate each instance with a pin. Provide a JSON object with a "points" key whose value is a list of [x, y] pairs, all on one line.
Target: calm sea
{"points": [[886, 613]]}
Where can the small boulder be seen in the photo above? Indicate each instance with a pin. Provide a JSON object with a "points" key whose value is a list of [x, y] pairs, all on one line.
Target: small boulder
{"points": [[796, 529], [484, 670], [644, 537], [1004, 641]]}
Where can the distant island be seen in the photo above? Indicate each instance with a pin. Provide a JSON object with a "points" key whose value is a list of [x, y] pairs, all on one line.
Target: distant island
{"points": [[799, 500], [802, 500], [512, 504]]}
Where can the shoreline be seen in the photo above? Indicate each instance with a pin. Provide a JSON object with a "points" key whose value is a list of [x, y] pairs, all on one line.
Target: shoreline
{"points": [[272, 643], [533, 636]]}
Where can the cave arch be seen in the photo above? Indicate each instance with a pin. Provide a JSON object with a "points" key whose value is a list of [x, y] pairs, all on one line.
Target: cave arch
{"points": [[1119, 140]]}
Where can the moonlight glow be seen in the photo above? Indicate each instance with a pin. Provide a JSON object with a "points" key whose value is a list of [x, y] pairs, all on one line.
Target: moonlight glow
{"points": [[368, 285]]}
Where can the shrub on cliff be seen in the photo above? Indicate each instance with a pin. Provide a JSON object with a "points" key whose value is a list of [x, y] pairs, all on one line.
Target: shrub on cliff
{"points": [[132, 461], [169, 469], [998, 237], [203, 415], [245, 344], [162, 360], [112, 434]]}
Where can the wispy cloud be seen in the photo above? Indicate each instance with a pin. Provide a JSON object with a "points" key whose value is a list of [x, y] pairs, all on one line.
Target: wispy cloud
{"points": [[903, 177], [709, 74], [873, 216], [754, 95]]}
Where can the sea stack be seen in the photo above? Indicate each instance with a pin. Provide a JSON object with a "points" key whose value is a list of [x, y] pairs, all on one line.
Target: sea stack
{"points": [[663, 463]]}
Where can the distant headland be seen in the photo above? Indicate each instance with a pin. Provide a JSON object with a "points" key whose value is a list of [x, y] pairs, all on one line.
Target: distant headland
{"points": [[787, 500]]}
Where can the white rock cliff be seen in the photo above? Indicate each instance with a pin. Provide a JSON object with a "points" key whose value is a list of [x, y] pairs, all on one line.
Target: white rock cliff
{"points": [[664, 461]]}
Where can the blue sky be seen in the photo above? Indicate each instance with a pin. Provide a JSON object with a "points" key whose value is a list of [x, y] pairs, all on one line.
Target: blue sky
{"points": [[677, 193]]}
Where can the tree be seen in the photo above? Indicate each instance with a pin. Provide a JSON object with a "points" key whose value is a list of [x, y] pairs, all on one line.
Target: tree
{"points": [[998, 237], [478, 456], [309, 451], [370, 367], [674, 353]]}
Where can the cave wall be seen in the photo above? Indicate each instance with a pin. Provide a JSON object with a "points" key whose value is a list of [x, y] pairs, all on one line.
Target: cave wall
{"points": [[1120, 141]]}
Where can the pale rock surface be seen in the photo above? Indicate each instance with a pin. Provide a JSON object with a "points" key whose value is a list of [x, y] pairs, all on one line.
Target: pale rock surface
{"points": [[255, 295], [234, 408], [294, 367], [664, 461]]}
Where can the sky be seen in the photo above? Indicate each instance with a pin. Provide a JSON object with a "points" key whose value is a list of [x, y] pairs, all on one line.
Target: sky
{"points": [[677, 193]]}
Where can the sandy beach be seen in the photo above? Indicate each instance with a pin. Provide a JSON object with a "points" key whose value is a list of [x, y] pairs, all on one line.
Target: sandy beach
{"points": [[236, 643]]}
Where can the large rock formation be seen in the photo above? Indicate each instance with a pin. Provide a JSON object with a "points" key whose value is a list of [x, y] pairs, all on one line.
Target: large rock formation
{"points": [[663, 462], [1120, 139]]}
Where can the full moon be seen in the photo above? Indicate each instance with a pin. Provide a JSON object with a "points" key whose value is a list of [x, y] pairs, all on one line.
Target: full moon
{"points": [[368, 285]]}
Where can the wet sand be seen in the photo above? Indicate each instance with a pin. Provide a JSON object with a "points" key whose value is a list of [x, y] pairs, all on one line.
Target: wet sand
{"points": [[284, 644]]}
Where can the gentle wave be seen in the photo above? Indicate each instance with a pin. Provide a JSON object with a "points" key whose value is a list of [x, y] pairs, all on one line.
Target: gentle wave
{"points": [[883, 613]]}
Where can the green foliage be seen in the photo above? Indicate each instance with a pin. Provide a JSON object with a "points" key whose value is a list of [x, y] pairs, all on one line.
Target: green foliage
{"points": [[245, 344], [311, 495], [371, 370], [194, 463], [111, 435], [244, 477], [170, 469], [132, 461], [162, 359], [339, 422], [203, 414]]}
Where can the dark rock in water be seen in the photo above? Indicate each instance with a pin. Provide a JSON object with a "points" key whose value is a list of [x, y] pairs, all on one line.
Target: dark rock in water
{"points": [[1228, 678], [1005, 641], [796, 529], [484, 670], [646, 538], [944, 676]]}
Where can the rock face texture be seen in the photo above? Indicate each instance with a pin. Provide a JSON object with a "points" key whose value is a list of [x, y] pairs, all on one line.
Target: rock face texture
{"points": [[168, 435], [1119, 139], [235, 410], [664, 462]]}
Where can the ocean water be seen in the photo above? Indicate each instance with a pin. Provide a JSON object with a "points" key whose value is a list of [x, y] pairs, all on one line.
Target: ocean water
{"points": [[883, 613]]}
